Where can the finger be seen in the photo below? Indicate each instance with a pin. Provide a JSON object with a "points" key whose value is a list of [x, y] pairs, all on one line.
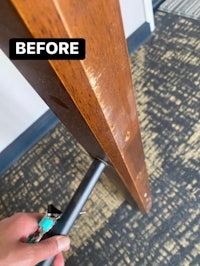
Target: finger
{"points": [[59, 260], [48, 248], [26, 223], [28, 215], [20, 225]]}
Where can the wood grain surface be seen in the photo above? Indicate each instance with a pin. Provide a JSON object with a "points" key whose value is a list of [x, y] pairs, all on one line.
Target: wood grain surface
{"points": [[101, 85]]}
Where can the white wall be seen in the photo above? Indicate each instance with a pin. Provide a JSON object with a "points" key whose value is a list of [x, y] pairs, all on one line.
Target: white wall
{"points": [[20, 106], [149, 16], [135, 13]]}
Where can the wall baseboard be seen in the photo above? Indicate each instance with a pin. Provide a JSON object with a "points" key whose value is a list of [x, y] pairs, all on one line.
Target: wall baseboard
{"points": [[48, 120], [156, 4], [139, 37], [27, 140]]}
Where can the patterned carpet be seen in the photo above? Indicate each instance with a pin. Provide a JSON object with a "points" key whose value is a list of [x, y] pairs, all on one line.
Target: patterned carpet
{"points": [[166, 74]]}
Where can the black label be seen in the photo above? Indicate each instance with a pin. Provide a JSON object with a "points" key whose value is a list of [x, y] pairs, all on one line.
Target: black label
{"points": [[51, 48]]}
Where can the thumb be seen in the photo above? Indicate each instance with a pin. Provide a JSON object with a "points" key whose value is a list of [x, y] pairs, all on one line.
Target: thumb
{"points": [[49, 247]]}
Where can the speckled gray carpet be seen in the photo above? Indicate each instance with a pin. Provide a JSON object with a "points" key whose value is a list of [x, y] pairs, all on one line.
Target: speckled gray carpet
{"points": [[167, 81]]}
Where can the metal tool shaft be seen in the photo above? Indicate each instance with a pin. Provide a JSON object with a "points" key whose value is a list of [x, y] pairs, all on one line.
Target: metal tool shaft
{"points": [[77, 202]]}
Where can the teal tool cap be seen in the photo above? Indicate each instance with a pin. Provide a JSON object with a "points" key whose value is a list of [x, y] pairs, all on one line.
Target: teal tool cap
{"points": [[46, 223]]}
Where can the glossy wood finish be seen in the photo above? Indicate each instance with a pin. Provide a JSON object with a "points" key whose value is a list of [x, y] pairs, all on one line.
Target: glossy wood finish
{"points": [[100, 86]]}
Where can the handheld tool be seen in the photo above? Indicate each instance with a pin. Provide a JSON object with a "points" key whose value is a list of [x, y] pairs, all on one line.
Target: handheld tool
{"points": [[64, 223]]}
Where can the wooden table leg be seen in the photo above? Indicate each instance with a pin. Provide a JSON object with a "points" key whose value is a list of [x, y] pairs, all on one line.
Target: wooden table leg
{"points": [[100, 86]]}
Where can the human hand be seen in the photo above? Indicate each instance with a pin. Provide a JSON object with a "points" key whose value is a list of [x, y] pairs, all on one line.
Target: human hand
{"points": [[14, 251]]}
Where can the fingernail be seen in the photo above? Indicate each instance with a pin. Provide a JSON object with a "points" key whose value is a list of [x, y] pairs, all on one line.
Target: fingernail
{"points": [[63, 243]]}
